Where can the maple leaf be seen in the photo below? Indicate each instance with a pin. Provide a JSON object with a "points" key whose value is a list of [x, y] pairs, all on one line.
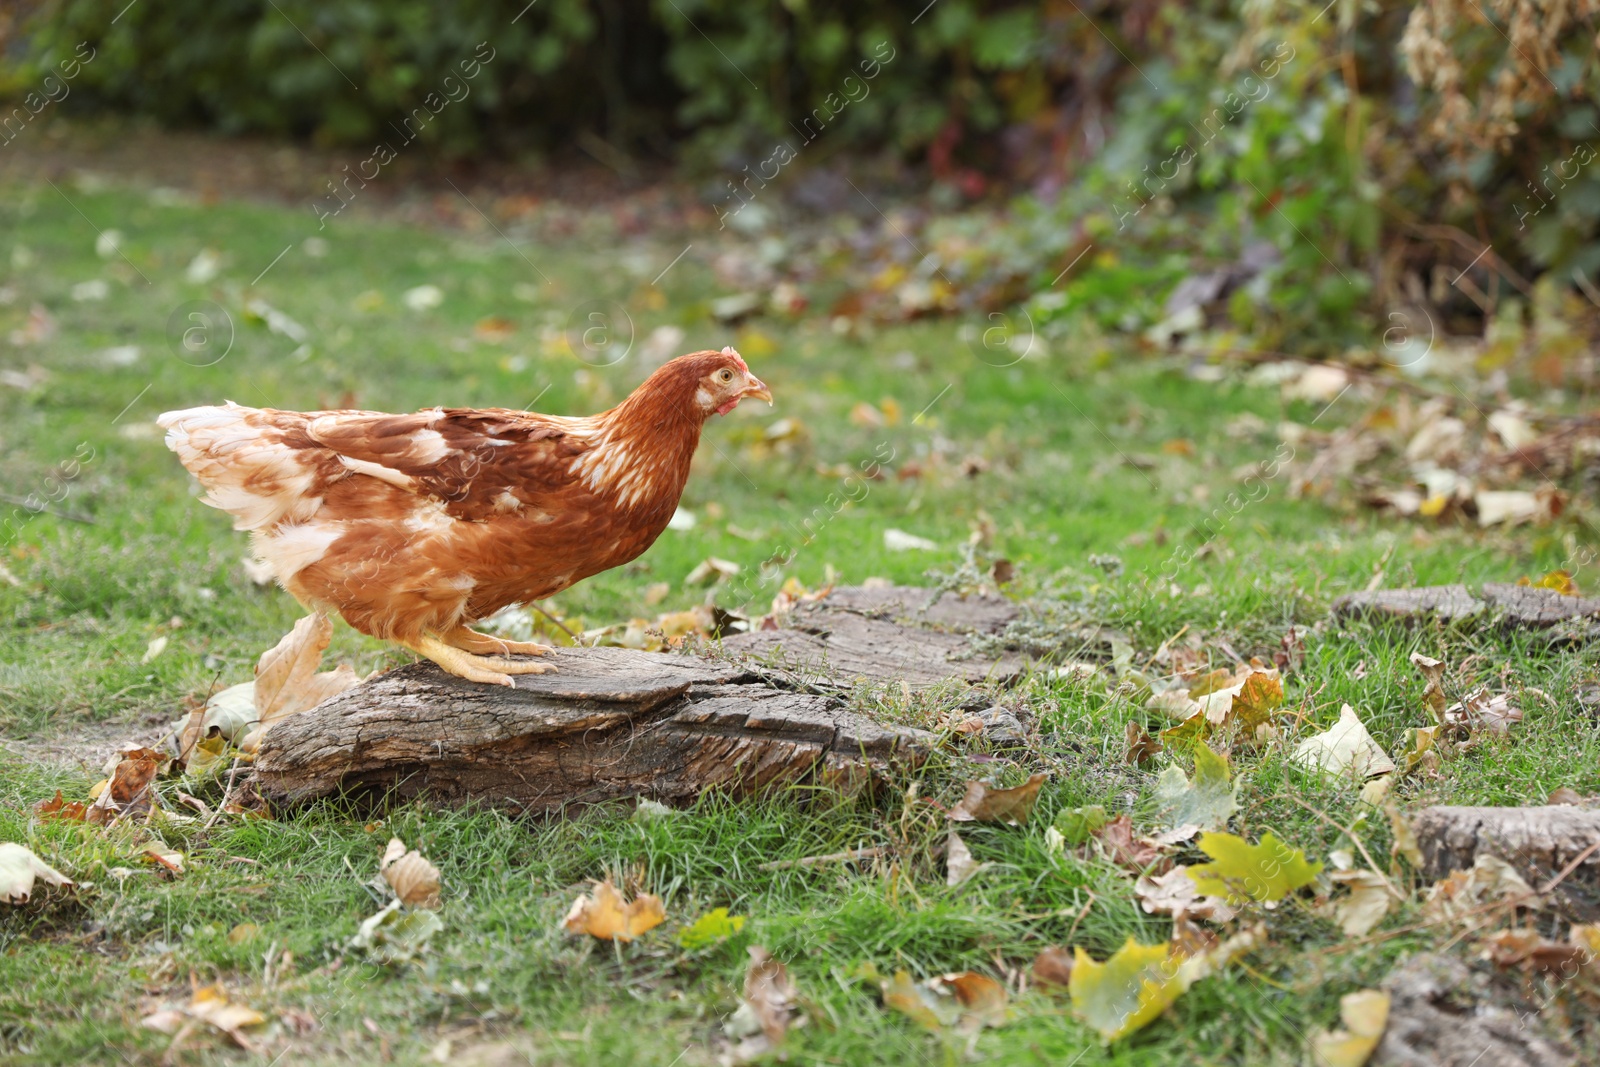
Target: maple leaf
{"points": [[1127, 991], [966, 1001], [128, 791], [1125, 849], [211, 1006], [605, 915], [1077, 825], [1206, 802], [1344, 750], [1266, 871], [715, 925], [1176, 894]]}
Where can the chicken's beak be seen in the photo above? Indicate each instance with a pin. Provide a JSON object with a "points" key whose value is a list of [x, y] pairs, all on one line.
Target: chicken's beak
{"points": [[757, 388]]}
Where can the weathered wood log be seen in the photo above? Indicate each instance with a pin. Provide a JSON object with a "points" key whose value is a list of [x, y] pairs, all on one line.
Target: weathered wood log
{"points": [[609, 723], [1444, 1014], [1522, 607], [889, 634], [1541, 843]]}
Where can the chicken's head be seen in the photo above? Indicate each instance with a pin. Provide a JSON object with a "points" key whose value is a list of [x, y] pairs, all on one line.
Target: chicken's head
{"points": [[724, 380]]}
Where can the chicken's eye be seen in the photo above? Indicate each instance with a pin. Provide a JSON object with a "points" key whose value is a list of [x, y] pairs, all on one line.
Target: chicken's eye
{"points": [[724, 375]]}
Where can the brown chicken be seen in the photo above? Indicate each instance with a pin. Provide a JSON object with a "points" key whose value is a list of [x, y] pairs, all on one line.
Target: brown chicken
{"points": [[412, 527]]}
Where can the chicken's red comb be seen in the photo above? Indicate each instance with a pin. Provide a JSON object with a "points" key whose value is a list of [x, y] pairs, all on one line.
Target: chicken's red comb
{"points": [[729, 351]]}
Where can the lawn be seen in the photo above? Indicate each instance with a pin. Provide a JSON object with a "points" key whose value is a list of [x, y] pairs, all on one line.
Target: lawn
{"points": [[1086, 466]]}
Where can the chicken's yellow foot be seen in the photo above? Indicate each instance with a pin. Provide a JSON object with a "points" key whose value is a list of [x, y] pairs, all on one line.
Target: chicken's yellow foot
{"points": [[473, 668], [469, 640]]}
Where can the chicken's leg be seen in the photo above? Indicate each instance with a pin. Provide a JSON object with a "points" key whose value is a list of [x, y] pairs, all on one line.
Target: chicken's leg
{"points": [[469, 640], [473, 668]]}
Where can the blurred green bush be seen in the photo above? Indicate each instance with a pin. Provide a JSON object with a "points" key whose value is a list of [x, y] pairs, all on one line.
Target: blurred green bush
{"points": [[695, 80], [1322, 165]]}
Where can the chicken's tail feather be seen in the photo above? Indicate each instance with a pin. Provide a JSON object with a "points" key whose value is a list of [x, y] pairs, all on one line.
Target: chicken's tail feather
{"points": [[243, 458]]}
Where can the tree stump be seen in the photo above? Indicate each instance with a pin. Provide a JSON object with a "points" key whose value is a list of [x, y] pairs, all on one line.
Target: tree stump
{"points": [[608, 723], [1444, 1014], [883, 635], [1540, 842], [1522, 607]]}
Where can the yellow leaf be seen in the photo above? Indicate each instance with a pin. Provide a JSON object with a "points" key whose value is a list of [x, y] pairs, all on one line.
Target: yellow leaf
{"points": [[1127, 991], [715, 925], [906, 996], [1365, 1014], [605, 915], [1261, 694], [1269, 870], [1560, 581]]}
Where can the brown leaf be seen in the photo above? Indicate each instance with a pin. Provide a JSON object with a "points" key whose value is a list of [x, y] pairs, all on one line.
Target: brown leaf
{"points": [[771, 993], [1433, 695], [984, 803], [1142, 748], [1122, 847], [1053, 967], [128, 791], [1191, 939], [59, 809], [982, 999], [212, 1007], [1529, 950], [414, 880]]}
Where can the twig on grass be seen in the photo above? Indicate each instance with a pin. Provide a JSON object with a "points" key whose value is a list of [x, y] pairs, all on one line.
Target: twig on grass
{"points": [[874, 852]]}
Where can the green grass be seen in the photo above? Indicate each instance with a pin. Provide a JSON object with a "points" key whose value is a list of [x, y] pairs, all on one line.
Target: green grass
{"points": [[77, 972]]}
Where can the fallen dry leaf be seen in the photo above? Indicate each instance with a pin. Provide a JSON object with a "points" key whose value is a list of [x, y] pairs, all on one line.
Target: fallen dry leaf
{"points": [[19, 869], [1433, 672], [958, 861], [212, 1007], [1053, 967], [164, 857], [1469, 896], [414, 880], [128, 792], [604, 915], [1175, 894], [59, 809], [762, 1020], [1124, 848], [1126, 992], [1368, 902], [1345, 750], [964, 1001], [1532, 951], [984, 803], [1364, 1014], [287, 681], [1142, 748]]}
